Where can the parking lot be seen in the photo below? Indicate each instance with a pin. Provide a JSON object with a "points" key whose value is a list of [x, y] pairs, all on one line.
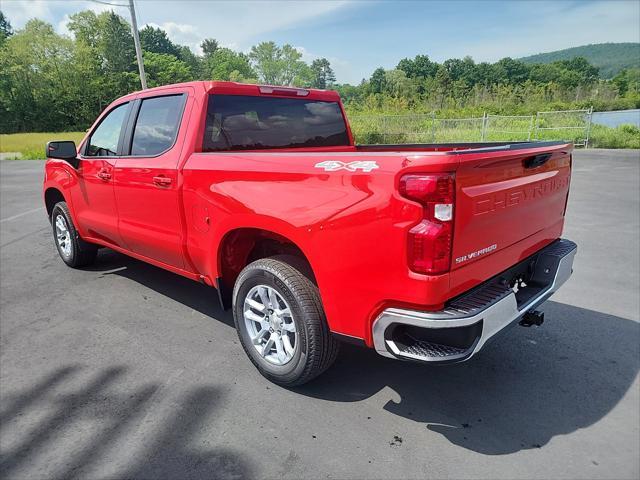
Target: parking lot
{"points": [[123, 370]]}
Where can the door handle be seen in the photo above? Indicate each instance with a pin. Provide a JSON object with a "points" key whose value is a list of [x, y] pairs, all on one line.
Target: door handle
{"points": [[104, 175], [537, 161], [162, 181]]}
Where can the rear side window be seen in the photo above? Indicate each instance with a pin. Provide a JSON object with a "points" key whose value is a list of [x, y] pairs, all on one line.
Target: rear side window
{"points": [[237, 122], [157, 125], [104, 139]]}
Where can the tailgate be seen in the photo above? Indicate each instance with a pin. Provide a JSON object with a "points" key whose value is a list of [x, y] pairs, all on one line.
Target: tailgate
{"points": [[503, 198]]}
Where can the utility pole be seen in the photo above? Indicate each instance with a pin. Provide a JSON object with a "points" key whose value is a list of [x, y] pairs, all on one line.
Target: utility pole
{"points": [[136, 39]]}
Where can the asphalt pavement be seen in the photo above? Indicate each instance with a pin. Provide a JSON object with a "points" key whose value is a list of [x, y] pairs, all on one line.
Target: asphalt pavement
{"points": [[123, 370]]}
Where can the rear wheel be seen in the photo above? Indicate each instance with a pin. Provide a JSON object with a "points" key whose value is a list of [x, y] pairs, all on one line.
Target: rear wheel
{"points": [[281, 323], [74, 251]]}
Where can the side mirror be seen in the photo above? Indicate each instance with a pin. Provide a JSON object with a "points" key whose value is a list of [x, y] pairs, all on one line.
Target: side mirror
{"points": [[65, 150]]}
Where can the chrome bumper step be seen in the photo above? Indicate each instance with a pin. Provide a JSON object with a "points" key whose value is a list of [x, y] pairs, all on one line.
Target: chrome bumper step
{"points": [[466, 323], [421, 348]]}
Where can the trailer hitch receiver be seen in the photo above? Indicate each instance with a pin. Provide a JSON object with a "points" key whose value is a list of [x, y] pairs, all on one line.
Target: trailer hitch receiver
{"points": [[532, 317]]}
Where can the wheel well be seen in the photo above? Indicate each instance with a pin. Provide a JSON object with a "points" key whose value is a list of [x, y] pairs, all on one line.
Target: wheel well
{"points": [[51, 197], [245, 245]]}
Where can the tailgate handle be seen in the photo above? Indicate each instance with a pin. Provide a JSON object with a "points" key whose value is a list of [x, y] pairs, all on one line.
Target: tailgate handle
{"points": [[538, 160]]}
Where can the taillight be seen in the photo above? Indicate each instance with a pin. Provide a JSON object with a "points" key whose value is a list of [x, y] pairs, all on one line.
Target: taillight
{"points": [[430, 242], [566, 199]]}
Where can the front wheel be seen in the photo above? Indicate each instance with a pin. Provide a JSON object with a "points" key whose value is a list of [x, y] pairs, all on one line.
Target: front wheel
{"points": [[74, 251], [281, 323]]}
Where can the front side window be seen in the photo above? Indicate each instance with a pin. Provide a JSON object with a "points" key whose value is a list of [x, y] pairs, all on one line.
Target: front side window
{"points": [[238, 122], [104, 140], [157, 125]]}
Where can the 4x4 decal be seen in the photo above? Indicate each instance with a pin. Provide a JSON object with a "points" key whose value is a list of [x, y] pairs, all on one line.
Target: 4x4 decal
{"points": [[335, 165]]}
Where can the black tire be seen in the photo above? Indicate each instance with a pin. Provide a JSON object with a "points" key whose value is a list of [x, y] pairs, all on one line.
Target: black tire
{"points": [[79, 253], [316, 348]]}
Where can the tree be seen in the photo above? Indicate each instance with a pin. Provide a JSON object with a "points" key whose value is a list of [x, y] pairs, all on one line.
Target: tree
{"points": [[266, 59], [322, 72], [5, 28], [164, 69], [39, 82], [587, 72], [155, 40], [377, 82], [85, 27], [279, 65], [508, 70], [116, 43], [192, 60], [443, 83], [468, 71], [293, 70], [106, 55], [545, 72], [110, 35], [209, 46], [627, 81], [420, 66], [351, 93], [225, 64], [397, 84]]}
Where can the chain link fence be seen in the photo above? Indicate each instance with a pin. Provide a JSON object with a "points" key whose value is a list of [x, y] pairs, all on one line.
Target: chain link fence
{"points": [[569, 125], [574, 125]]}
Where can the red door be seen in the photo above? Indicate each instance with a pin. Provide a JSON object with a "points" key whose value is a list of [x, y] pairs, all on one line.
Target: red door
{"points": [[94, 200], [146, 181]]}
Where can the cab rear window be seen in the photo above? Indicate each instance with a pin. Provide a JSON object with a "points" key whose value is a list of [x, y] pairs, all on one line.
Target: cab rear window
{"points": [[238, 122]]}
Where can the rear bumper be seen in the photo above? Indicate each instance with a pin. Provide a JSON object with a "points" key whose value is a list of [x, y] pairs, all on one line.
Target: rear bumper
{"points": [[459, 331]]}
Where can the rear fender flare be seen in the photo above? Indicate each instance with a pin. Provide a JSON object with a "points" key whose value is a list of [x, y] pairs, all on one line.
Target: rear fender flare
{"points": [[295, 235]]}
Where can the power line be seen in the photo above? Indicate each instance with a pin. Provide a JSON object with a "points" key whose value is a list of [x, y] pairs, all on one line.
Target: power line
{"points": [[110, 4]]}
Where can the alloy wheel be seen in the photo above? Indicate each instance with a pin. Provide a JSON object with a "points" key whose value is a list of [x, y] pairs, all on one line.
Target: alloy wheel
{"points": [[270, 324]]}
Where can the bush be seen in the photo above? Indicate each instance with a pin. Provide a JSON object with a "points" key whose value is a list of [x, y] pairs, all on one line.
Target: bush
{"points": [[623, 136]]}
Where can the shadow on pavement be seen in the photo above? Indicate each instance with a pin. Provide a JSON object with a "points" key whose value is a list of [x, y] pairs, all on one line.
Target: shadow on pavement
{"points": [[169, 452], [527, 387], [201, 298]]}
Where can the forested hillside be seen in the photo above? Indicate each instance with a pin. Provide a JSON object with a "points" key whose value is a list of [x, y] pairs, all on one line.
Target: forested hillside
{"points": [[50, 82], [610, 58]]}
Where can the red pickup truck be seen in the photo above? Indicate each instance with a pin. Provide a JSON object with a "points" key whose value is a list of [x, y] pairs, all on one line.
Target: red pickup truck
{"points": [[423, 252]]}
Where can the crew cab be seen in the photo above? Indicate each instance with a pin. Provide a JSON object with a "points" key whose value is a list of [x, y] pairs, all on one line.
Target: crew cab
{"points": [[423, 252]]}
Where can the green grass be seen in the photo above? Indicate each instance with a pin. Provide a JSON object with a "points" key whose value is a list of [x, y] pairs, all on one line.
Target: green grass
{"points": [[623, 136], [397, 129], [570, 127], [31, 145]]}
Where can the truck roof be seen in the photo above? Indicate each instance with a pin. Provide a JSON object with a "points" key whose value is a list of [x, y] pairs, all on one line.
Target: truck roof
{"points": [[237, 88]]}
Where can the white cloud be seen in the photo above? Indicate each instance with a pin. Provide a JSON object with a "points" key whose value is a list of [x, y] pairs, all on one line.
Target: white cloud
{"points": [[342, 68], [62, 27], [181, 33], [176, 29], [21, 11], [234, 23]]}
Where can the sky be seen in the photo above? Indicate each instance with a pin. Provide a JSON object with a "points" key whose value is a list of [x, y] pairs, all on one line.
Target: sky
{"points": [[357, 36]]}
